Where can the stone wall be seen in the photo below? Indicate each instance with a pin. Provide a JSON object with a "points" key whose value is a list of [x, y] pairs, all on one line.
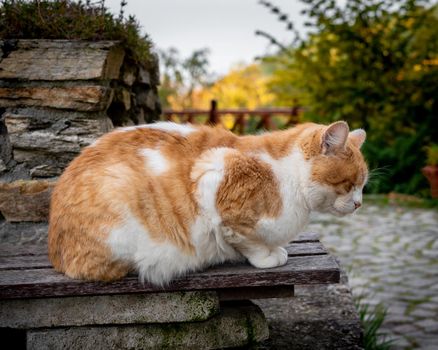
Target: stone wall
{"points": [[58, 96]]}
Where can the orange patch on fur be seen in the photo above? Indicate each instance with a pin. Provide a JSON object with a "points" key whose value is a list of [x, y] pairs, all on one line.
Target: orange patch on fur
{"points": [[111, 176], [248, 192], [342, 170]]}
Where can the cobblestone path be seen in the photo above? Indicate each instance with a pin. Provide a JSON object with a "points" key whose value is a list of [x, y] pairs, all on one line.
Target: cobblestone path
{"points": [[391, 254]]}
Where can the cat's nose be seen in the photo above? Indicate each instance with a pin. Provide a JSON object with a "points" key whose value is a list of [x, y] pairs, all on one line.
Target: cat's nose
{"points": [[357, 204]]}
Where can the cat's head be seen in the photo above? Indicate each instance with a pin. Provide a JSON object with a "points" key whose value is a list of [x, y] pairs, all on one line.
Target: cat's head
{"points": [[338, 170]]}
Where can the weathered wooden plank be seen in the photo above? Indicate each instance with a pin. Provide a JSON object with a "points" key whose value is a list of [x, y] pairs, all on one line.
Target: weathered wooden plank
{"points": [[24, 262], [19, 257], [47, 282], [306, 237], [62, 60], [11, 250], [305, 248], [81, 98]]}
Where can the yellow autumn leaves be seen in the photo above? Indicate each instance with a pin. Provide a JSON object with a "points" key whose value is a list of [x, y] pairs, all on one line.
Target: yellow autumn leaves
{"points": [[242, 87]]}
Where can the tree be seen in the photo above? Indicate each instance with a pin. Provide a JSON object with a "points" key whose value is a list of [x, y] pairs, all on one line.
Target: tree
{"points": [[242, 87], [181, 78], [171, 76]]}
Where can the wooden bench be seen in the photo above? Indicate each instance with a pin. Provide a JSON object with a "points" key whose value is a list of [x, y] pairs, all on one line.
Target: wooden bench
{"points": [[197, 311]]}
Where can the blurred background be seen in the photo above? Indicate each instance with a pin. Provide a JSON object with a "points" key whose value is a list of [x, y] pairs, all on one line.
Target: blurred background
{"points": [[371, 63]]}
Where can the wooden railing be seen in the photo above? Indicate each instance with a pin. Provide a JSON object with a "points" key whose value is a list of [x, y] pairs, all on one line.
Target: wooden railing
{"points": [[244, 119]]}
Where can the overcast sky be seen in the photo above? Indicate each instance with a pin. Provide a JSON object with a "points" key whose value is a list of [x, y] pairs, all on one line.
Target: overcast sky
{"points": [[226, 27]]}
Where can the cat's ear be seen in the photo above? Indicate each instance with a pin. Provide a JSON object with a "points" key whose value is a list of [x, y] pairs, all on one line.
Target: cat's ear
{"points": [[358, 137], [334, 137]]}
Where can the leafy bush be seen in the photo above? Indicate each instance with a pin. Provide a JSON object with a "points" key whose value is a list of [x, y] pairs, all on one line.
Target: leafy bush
{"points": [[66, 19], [432, 154], [373, 63]]}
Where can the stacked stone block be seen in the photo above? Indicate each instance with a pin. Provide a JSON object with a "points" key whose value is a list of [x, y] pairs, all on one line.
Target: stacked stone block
{"points": [[194, 320], [58, 96]]}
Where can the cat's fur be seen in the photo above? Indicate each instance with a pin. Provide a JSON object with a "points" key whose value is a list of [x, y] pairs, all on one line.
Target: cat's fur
{"points": [[165, 199]]}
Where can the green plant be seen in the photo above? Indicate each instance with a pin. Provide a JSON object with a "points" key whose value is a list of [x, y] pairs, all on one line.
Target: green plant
{"points": [[432, 154], [67, 19], [372, 319]]}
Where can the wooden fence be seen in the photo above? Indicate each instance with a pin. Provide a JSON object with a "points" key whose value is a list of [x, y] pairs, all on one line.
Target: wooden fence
{"points": [[243, 118]]}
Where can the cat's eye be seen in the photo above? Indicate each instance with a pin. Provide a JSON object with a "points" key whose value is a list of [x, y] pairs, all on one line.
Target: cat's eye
{"points": [[343, 187], [348, 186]]}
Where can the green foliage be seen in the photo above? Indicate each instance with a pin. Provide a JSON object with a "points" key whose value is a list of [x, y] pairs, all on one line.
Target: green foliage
{"points": [[66, 19], [373, 63], [401, 160], [432, 154], [372, 319]]}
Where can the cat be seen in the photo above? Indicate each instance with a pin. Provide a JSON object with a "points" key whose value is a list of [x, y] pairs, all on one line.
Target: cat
{"points": [[165, 199]]}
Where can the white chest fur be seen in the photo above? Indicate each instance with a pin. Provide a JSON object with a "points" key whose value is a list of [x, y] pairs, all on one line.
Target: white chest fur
{"points": [[292, 173]]}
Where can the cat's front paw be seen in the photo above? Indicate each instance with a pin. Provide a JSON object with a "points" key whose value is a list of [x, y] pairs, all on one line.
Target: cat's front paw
{"points": [[276, 257], [282, 252]]}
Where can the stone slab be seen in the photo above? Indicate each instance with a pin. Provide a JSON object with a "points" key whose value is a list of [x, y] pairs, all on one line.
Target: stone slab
{"points": [[23, 120], [5, 146], [46, 140], [80, 98], [25, 200], [235, 326], [55, 60], [317, 318], [108, 309], [2, 166]]}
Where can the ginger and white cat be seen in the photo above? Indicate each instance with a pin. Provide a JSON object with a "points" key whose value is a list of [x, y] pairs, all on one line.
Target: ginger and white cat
{"points": [[165, 199]]}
